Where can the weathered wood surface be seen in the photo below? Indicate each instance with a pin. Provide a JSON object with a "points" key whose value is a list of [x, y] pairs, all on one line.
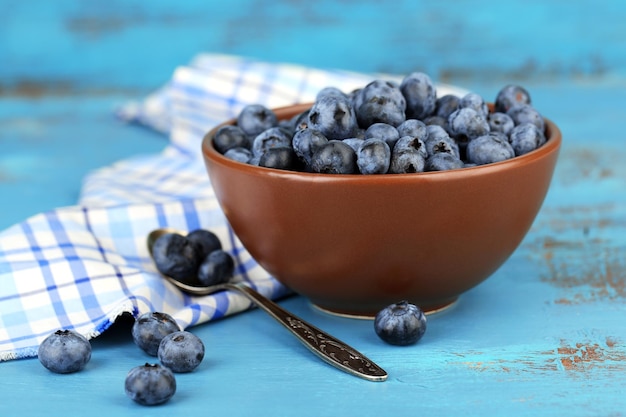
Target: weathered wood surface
{"points": [[544, 336]]}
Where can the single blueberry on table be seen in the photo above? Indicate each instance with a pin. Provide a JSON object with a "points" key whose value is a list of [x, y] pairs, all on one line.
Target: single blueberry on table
{"points": [[181, 351], [490, 148], [64, 352], [400, 324], [511, 96], [334, 117], [274, 137], [256, 118], [228, 137], [373, 157], [218, 267], [150, 384], [420, 94], [336, 157], [175, 256], [150, 328], [525, 138]]}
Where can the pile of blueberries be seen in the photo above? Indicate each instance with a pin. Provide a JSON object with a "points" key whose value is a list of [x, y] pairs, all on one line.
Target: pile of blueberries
{"points": [[387, 128], [195, 259]]}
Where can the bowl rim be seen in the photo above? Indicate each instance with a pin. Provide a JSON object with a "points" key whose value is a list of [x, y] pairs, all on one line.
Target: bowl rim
{"points": [[552, 144]]}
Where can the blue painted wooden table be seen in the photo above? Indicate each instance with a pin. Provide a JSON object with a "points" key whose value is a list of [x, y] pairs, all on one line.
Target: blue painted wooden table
{"points": [[545, 335]]}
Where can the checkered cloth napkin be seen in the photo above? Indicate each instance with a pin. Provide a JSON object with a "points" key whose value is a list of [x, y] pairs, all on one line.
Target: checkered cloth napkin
{"points": [[81, 267]]}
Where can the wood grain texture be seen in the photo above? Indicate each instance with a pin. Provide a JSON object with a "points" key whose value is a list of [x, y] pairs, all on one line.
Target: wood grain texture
{"points": [[544, 335]]}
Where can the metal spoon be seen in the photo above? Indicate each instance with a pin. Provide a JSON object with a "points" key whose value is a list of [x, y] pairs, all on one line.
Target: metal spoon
{"points": [[327, 347]]}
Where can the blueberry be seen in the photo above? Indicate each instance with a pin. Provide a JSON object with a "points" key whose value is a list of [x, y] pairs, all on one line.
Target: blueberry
{"points": [[476, 102], [525, 138], [436, 121], [299, 121], [331, 91], [373, 156], [443, 161], [306, 141], [442, 145], [150, 328], [150, 384], [274, 137], [228, 137], [334, 117], [511, 96], [420, 94], [383, 131], [400, 324], [218, 267], [181, 351], [446, 105], [239, 154], [526, 113], [175, 256], [466, 124], [407, 162], [280, 158], [336, 157], [354, 143], [410, 143], [64, 352], [490, 148], [256, 118], [500, 122], [381, 102], [414, 128], [204, 241]]}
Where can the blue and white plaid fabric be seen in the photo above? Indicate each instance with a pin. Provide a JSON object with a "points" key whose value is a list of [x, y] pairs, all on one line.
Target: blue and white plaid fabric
{"points": [[81, 267]]}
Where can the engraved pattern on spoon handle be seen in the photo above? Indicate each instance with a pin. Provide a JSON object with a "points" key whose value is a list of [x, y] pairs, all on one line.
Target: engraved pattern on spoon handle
{"points": [[328, 348]]}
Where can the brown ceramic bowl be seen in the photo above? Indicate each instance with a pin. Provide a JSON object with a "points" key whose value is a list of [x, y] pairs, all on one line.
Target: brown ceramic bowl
{"points": [[353, 244]]}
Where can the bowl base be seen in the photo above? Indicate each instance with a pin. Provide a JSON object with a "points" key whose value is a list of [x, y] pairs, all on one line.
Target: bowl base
{"points": [[364, 316]]}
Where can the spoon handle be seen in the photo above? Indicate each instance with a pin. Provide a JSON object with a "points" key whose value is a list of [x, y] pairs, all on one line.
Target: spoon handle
{"points": [[328, 348]]}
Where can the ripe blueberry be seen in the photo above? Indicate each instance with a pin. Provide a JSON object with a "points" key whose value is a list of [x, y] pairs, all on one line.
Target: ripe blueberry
{"points": [[174, 255], [150, 328], [64, 351], [420, 94], [256, 118], [218, 267], [400, 324], [150, 384], [181, 351]]}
